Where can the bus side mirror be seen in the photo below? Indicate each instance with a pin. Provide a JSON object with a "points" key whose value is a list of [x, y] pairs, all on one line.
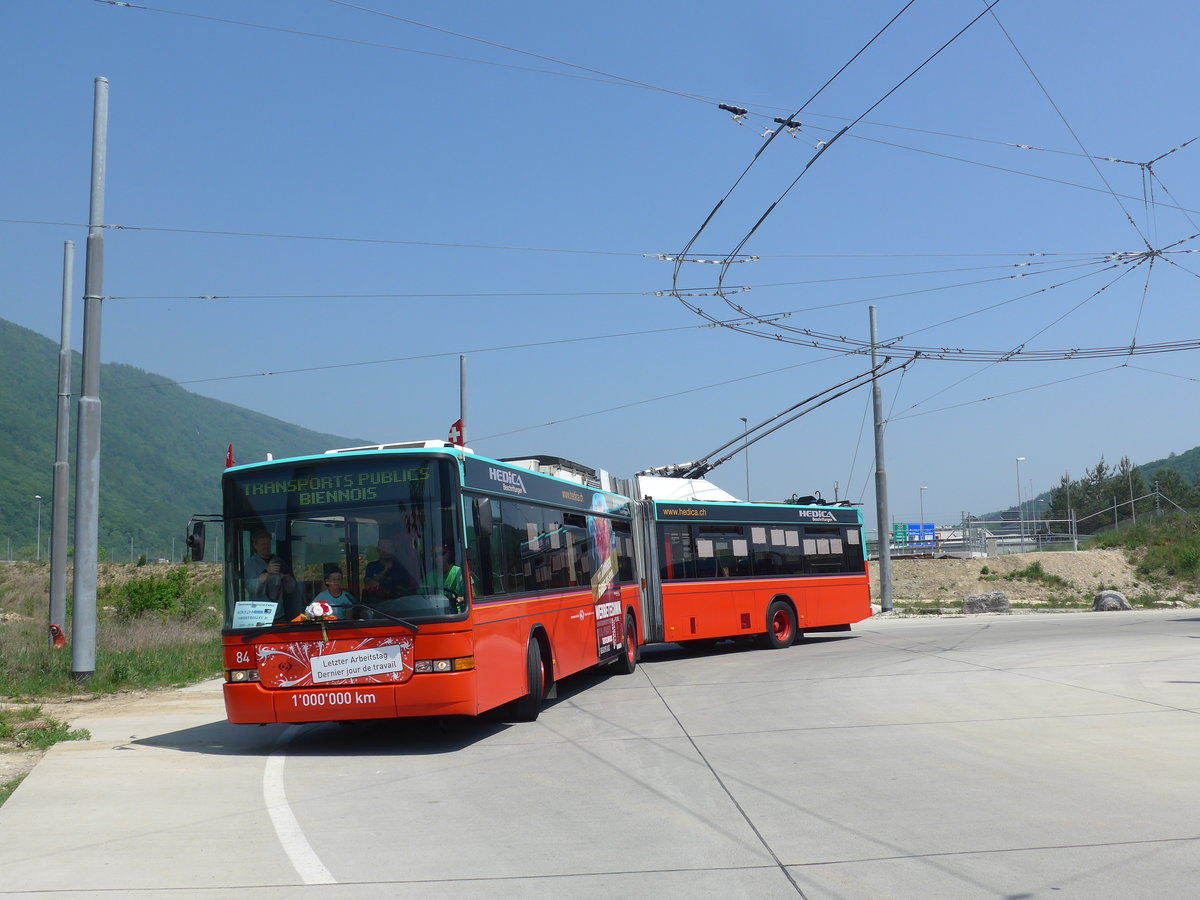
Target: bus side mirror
{"points": [[195, 540], [483, 515]]}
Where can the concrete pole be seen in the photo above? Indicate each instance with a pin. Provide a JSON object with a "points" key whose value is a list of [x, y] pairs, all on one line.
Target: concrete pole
{"points": [[87, 454], [746, 450], [62, 470], [59, 511], [884, 543], [1020, 504], [462, 397]]}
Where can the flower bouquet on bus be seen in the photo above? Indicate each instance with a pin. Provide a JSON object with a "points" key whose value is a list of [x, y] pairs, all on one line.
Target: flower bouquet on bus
{"points": [[318, 611]]}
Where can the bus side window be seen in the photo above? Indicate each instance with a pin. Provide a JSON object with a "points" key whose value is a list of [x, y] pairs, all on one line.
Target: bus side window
{"points": [[785, 543], [705, 564], [854, 548], [678, 552], [482, 547], [823, 550], [623, 538]]}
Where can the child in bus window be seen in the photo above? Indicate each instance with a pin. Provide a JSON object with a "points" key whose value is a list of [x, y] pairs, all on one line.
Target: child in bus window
{"points": [[339, 600]]}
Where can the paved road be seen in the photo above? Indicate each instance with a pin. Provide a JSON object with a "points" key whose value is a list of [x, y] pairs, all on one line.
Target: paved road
{"points": [[991, 757]]}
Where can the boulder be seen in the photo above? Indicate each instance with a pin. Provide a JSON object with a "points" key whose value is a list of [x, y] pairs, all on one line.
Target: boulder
{"points": [[1108, 601], [992, 602]]}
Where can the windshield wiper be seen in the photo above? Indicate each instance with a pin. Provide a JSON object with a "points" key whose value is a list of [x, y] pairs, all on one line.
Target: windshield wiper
{"points": [[387, 615]]}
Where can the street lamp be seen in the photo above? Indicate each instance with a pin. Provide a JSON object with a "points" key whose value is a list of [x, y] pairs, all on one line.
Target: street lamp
{"points": [[38, 498], [1020, 508], [746, 450], [923, 490]]}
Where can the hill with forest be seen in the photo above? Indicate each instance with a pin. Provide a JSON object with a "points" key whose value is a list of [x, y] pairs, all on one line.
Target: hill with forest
{"points": [[161, 451], [1108, 495], [1186, 465]]}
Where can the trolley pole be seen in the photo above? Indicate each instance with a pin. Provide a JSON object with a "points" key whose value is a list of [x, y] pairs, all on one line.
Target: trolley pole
{"points": [[87, 454], [62, 474], [884, 543]]}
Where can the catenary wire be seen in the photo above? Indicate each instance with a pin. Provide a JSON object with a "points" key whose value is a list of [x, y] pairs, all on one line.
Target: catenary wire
{"points": [[661, 397], [826, 145], [1023, 390], [609, 76], [998, 361], [661, 292], [1066, 124], [620, 80], [615, 80]]}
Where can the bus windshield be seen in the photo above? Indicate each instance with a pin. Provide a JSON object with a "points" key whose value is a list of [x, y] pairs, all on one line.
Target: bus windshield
{"points": [[369, 540]]}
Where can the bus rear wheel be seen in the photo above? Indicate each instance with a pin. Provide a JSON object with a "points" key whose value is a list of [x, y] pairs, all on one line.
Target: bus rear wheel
{"points": [[528, 707], [627, 662], [781, 625]]}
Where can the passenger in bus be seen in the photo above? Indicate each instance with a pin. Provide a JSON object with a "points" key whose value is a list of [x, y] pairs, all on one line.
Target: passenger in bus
{"points": [[445, 578], [385, 577], [340, 601], [266, 575]]}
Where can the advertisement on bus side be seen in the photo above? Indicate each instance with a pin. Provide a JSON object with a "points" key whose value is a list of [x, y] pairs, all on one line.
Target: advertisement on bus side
{"points": [[606, 594]]}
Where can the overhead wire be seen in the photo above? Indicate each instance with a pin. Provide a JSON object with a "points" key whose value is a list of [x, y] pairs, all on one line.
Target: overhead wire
{"points": [[1003, 359], [1066, 124], [607, 78], [633, 83], [617, 80], [518, 248], [1011, 171], [561, 62], [398, 359], [658, 292], [655, 399], [1012, 393], [827, 144], [691, 242]]}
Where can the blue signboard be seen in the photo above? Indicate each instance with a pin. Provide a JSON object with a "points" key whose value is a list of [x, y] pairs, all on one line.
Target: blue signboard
{"points": [[921, 534]]}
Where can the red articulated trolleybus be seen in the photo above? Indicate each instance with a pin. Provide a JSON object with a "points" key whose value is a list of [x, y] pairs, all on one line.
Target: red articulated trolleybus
{"points": [[421, 579]]}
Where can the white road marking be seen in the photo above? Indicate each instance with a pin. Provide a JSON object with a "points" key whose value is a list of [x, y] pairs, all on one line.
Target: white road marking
{"points": [[308, 865]]}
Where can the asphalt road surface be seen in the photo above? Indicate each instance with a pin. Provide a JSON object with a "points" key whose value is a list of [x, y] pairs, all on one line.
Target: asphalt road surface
{"points": [[1048, 756]]}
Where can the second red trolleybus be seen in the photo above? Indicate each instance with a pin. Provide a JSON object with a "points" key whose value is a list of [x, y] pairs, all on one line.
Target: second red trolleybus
{"points": [[423, 579]]}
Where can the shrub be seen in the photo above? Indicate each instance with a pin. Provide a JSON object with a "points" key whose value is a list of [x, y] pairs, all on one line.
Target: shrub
{"points": [[1035, 572], [165, 595]]}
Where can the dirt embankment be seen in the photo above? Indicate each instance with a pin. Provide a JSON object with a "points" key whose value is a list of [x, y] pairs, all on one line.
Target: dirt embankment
{"points": [[947, 581]]}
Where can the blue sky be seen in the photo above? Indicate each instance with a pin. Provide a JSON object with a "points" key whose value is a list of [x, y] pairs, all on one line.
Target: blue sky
{"points": [[374, 197]]}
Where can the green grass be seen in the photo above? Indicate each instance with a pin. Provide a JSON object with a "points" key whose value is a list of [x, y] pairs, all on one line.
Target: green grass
{"points": [[25, 728], [1163, 545], [156, 632], [7, 787], [130, 655], [1035, 572]]}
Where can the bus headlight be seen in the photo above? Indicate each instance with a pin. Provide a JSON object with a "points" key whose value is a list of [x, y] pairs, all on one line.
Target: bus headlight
{"points": [[241, 676]]}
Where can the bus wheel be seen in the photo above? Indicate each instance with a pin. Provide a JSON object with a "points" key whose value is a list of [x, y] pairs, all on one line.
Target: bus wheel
{"points": [[627, 661], [781, 625], [528, 707]]}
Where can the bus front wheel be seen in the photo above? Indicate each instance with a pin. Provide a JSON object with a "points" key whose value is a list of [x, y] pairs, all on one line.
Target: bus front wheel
{"points": [[781, 625], [528, 707]]}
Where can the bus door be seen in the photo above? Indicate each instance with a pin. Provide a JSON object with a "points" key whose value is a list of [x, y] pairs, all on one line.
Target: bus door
{"points": [[645, 549]]}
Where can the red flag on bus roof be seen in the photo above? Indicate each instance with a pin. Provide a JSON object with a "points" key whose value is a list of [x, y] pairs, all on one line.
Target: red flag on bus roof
{"points": [[456, 433], [229, 457]]}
